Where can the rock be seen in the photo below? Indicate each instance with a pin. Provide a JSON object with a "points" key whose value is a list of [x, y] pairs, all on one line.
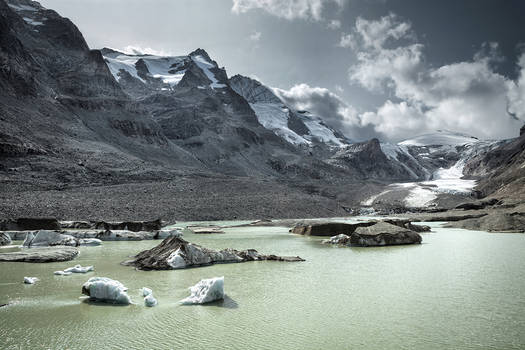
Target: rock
{"points": [[106, 290], [382, 234], [176, 253], [44, 238], [339, 239], [134, 226], [5, 239], [30, 280], [493, 222], [26, 224], [479, 205], [41, 255], [328, 229], [403, 223], [207, 290]]}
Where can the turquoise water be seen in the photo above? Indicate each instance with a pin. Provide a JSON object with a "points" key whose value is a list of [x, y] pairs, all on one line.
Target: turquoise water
{"points": [[459, 289]]}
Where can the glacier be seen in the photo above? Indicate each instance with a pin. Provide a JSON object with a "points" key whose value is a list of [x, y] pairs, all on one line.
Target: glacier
{"points": [[207, 290], [106, 290]]}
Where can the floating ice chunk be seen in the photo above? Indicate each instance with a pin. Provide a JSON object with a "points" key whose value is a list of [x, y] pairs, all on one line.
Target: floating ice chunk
{"points": [[176, 260], [106, 290], [206, 291], [79, 269], [162, 234], [146, 291], [150, 301], [62, 273], [30, 280], [90, 241]]}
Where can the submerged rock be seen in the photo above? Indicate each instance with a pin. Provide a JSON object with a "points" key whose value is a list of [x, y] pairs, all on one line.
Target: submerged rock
{"points": [[5, 239], [207, 290], [106, 290], [176, 253], [30, 280], [41, 255]]}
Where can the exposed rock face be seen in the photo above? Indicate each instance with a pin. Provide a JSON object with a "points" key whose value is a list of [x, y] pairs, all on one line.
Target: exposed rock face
{"points": [[5, 239], [494, 222], [27, 224], [41, 255], [381, 234], [176, 253]]}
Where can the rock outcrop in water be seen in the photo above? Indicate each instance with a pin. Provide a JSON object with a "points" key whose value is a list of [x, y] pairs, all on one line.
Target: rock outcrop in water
{"points": [[335, 228], [41, 255], [378, 234], [176, 253], [494, 222]]}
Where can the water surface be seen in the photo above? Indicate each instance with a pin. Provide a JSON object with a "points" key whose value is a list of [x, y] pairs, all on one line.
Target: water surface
{"points": [[460, 289]]}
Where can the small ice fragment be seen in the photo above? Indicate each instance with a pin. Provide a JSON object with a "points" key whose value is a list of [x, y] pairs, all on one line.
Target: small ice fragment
{"points": [[150, 301], [30, 280], [207, 290], [62, 273], [79, 269], [146, 291]]}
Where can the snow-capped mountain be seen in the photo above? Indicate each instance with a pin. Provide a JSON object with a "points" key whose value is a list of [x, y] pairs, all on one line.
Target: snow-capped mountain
{"points": [[296, 127]]}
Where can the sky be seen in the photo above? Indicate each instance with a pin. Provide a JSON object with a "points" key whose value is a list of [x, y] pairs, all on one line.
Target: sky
{"points": [[390, 69]]}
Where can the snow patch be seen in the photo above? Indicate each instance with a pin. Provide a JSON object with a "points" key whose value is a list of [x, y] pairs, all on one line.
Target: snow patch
{"points": [[206, 67], [207, 290], [22, 7], [32, 21]]}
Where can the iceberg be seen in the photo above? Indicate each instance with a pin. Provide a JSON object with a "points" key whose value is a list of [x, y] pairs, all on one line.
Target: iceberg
{"points": [[150, 301], [106, 290], [30, 280], [146, 291], [207, 290], [79, 269], [62, 273]]}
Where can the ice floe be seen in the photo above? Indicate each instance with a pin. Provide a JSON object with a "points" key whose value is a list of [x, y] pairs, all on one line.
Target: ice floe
{"points": [[207, 290], [106, 290], [30, 280]]}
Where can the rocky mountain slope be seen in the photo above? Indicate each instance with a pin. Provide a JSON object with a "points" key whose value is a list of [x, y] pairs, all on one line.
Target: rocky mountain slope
{"points": [[77, 124]]}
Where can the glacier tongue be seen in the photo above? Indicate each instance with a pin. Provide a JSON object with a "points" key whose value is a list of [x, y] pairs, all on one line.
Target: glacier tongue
{"points": [[207, 290], [106, 290]]}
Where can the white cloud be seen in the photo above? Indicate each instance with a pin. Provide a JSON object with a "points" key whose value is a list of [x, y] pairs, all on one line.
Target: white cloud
{"points": [[326, 105], [255, 36], [465, 96], [137, 50], [288, 9], [334, 24], [347, 40]]}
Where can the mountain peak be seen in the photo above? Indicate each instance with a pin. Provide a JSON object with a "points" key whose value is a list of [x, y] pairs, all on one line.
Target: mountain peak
{"points": [[201, 52]]}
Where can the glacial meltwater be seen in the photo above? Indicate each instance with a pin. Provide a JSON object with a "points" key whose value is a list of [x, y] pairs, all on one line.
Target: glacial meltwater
{"points": [[458, 290]]}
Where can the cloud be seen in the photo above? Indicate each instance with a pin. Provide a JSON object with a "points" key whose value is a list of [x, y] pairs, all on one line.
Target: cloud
{"points": [[347, 40], [328, 106], [334, 24], [288, 9], [255, 36], [467, 96], [137, 50]]}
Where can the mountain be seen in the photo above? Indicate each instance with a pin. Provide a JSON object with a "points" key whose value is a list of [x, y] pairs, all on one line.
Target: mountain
{"points": [[136, 134]]}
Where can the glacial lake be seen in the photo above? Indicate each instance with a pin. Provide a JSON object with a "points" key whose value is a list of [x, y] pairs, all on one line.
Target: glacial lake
{"points": [[458, 290]]}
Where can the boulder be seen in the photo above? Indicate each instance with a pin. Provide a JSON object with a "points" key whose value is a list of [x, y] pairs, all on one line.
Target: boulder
{"points": [[206, 291], [176, 253], [29, 224], [382, 234], [106, 290], [328, 228], [5, 239], [134, 226], [41, 255]]}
